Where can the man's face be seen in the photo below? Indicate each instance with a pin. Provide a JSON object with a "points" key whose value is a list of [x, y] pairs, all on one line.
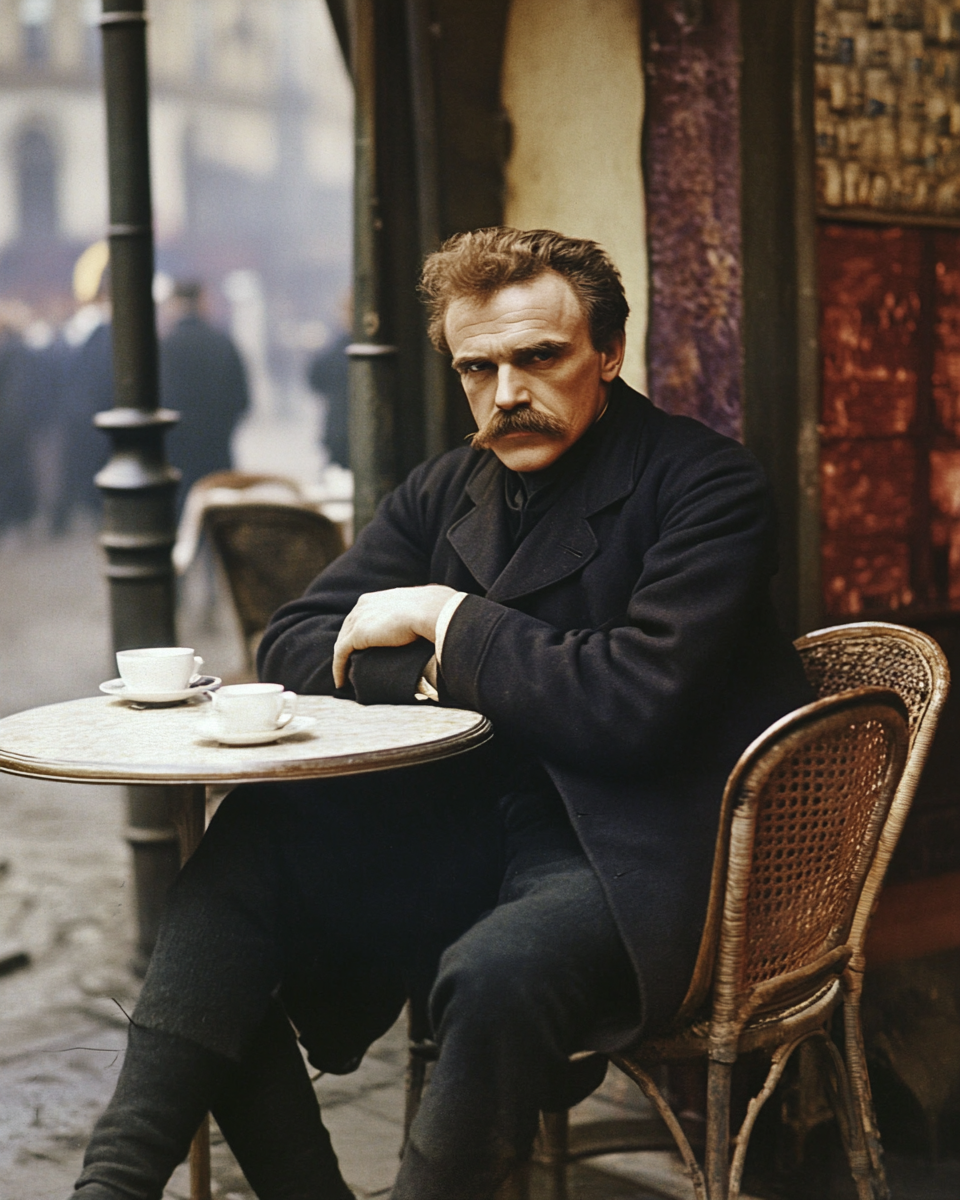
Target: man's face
{"points": [[534, 382]]}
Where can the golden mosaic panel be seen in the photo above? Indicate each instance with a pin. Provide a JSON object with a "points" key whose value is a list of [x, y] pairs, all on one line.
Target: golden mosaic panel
{"points": [[887, 108]]}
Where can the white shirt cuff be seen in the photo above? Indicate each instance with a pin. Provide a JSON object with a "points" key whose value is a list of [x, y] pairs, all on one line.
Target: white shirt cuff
{"points": [[443, 623], [426, 690]]}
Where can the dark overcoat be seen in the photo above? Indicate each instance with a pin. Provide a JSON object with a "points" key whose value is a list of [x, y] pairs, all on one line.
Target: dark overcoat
{"points": [[202, 377], [628, 646]]}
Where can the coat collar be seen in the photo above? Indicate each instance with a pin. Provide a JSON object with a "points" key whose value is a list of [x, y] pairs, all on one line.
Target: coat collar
{"points": [[563, 541]]}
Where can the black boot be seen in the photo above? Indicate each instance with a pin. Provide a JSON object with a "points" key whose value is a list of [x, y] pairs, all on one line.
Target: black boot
{"points": [[165, 1087], [268, 1112]]}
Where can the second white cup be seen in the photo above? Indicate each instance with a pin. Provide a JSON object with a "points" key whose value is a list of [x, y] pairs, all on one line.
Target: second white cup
{"points": [[253, 707]]}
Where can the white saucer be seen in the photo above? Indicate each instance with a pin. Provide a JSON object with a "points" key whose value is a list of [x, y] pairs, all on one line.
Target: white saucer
{"points": [[208, 729], [197, 690]]}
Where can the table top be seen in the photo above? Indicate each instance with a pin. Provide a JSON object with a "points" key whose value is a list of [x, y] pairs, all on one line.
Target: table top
{"points": [[103, 740]]}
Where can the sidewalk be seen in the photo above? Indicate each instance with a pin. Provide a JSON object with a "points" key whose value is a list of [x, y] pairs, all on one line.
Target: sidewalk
{"points": [[65, 898]]}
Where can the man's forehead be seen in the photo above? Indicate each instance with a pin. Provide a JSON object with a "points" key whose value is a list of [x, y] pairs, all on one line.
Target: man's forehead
{"points": [[533, 309]]}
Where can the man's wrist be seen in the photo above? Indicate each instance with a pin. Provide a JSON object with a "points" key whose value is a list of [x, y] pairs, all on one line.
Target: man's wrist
{"points": [[444, 618], [427, 687]]}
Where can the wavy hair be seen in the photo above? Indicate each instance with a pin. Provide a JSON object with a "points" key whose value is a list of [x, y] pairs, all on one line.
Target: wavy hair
{"points": [[484, 261]]}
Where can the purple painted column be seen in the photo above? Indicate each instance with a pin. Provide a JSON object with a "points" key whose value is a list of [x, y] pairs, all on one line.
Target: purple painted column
{"points": [[691, 163]]}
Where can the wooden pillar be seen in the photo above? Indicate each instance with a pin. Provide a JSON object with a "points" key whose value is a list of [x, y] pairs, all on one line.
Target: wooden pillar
{"points": [[728, 166], [781, 369]]}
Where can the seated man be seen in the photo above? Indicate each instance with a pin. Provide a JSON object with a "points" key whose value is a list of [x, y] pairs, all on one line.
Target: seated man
{"points": [[591, 574]]}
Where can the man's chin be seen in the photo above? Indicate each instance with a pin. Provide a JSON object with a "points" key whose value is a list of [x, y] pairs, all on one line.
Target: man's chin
{"points": [[524, 458]]}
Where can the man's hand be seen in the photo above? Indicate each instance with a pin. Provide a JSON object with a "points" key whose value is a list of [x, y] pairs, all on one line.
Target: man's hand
{"points": [[392, 618]]}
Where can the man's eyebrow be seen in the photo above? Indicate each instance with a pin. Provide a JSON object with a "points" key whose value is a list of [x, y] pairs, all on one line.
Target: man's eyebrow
{"points": [[468, 361], [547, 345]]}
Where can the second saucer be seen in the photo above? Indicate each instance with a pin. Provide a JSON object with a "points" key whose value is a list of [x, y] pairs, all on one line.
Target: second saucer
{"points": [[210, 730]]}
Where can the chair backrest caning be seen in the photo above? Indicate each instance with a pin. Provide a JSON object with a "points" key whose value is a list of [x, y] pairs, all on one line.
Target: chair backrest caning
{"points": [[808, 801], [271, 553], [880, 654]]}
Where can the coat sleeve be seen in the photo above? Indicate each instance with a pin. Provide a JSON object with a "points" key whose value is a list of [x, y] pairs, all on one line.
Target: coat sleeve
{"points": [[297, 647], [622, 697]]}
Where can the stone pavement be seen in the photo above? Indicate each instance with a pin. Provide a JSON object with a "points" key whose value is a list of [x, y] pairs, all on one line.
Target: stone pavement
{"points": [[65, 898]]}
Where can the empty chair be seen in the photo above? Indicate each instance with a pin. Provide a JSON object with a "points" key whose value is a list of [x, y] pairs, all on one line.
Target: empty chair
{"points": [[270, 554]]}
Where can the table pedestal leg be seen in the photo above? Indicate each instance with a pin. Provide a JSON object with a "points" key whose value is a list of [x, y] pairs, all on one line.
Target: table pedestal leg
{"points": [[190, 809], [200, 1162]]}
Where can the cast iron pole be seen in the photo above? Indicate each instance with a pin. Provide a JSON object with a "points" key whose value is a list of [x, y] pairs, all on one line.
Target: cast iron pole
{"points": [[137, 484], [373, 359], [426, 151]]}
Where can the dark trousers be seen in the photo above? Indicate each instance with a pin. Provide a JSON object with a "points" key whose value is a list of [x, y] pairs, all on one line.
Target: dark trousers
{"points": [[346, 897]]}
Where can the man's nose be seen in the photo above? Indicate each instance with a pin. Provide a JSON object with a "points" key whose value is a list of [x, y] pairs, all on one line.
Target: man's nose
{"points": [[511, 389]]}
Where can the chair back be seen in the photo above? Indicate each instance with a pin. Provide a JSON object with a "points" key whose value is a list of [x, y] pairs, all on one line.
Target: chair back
{"points": [[270, 553], [806, 804], [880, 654], [802, 814]]}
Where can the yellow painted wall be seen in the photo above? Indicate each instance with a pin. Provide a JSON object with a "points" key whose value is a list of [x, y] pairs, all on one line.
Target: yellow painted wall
{"points": [[573, 87]]}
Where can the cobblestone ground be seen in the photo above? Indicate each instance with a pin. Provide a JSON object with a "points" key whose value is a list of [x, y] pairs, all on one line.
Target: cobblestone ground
{"points": [[65, 899]]}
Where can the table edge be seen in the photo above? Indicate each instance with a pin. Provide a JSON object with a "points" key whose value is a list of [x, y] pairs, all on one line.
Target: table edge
{"points": [[254, 772]]}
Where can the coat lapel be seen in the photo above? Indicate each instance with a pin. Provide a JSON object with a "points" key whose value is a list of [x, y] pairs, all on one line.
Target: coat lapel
{"points": [[563, 541], [481, 537]]}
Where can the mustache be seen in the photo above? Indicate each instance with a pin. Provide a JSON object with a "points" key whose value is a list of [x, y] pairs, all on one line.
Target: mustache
{"points": [[515, 420]]}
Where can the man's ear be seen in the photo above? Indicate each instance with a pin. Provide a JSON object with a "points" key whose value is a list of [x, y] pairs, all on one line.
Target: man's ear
{"points": [[611, 359]]}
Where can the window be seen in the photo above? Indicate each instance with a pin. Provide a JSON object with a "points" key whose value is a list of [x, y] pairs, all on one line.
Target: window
{"points": [[37, 184]]}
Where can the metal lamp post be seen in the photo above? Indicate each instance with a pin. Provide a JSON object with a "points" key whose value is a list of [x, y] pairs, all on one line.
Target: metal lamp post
{"points": [[137, 484], [373, 359]]}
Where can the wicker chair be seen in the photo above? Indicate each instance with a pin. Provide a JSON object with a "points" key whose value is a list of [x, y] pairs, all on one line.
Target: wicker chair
{"points": [[270, 553], [803, 813], [837, 659], [875, 653]]}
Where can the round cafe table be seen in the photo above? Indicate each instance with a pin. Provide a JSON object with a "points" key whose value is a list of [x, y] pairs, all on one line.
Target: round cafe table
{"points": [[104, 740]]}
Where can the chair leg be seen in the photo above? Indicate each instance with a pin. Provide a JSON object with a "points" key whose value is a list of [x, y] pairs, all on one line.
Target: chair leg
{"points": [[517, 1185], [778, 1062], [421, 1051], [717, 1165], [851, 1131], [859, 1082], [552, 1151], [644, 1081]]}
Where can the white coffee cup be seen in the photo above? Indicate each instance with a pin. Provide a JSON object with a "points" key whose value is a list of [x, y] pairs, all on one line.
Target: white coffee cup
{"points": [[158, 668], [253, 707]]}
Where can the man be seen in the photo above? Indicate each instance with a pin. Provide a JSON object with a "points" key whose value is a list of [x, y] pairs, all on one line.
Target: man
{"points": [[592, 574], [203, 378], [327, 377]]}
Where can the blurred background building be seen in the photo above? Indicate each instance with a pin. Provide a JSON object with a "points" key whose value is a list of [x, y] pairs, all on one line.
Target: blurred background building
{"points": [[252, 166]]}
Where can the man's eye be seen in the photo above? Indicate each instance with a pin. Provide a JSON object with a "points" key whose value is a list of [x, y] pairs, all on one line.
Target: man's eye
{"points": [[474, 368]]}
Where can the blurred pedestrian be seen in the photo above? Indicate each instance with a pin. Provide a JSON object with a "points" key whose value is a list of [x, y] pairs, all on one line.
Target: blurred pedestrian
{"points": [[203, 378], [17, 492], [327, 375], [86, 386], [42, 382]]}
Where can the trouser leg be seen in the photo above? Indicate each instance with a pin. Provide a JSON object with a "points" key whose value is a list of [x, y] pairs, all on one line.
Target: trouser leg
{"points": [[166, 1085], [302, 885], [205, 1029], [543, 975], [269, 1115], [219, 953]]}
